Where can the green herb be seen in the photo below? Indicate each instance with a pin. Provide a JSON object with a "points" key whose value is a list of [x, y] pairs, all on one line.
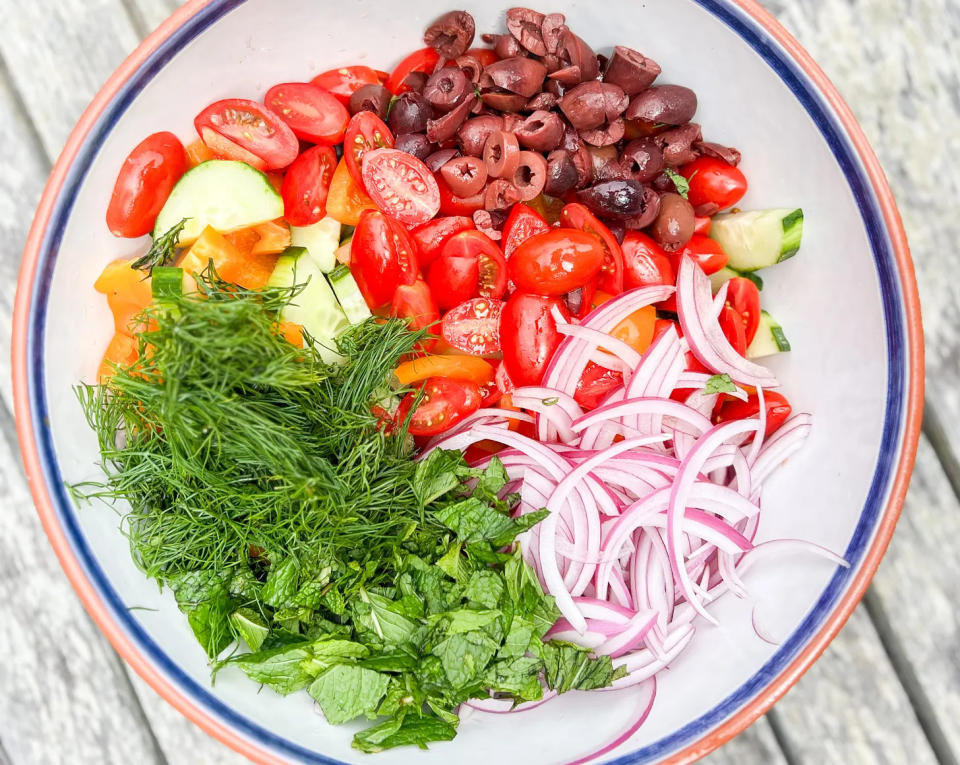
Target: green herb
{"points": [[162, 250], [552, 401], [682, 184], [720, 384]]}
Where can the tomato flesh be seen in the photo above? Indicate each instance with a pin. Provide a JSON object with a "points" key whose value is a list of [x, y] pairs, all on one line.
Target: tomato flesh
{"points": [[400, 185], [430, 237], [556, 262], [444, 403], [453, 279], [522, 223], [777, 407], [383, 256], [713, 181], [645, 263], [415, 303], [576, 215], [423, 60], [474, 326], [365, 132], [529, 336], [313, 114], [143, 184], [306, 185], [252, 127], [469, 265], [343, 82], [595, 384], [744, 297], [705, 252], [733, 325]]}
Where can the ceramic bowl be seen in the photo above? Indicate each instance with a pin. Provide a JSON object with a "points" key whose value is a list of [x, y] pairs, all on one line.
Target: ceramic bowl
{"points": [[847, 301]]}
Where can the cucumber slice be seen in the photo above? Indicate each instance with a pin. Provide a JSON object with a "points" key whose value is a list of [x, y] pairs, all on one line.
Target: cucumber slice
{"points": [[316, 308], [220, 193], [758, 238], [348, 293], [769, 338], [725, 274], [166, 281], [321, 240]]}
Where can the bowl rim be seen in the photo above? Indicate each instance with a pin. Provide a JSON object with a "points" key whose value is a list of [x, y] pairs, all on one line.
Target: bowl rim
{"points": [[787, 57]]}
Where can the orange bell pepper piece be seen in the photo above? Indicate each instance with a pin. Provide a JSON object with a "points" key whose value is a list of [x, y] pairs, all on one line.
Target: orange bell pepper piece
{"points": [[248, 270], [127, 291], [346, 200], [121, 352], [457, 367]]}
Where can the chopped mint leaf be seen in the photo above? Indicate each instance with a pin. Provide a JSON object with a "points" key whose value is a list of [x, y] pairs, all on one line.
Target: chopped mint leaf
{"points": [[720, 384]]}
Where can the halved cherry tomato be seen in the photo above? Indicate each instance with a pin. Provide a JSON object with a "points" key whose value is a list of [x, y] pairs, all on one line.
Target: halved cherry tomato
{"points": [[365, 132], [701, 224], [595, 384], [401, 185], [444, 403], [430, 237], [306, 185], [733, 325], [528, 336], [469, 255], [382, 256], [490, 393], [645, 263], [423, 60], [778, 410], [637, 329], [505, 385], [474, 326], [253, 128], [347, 200], [415, 303], [706, 253], [144, 183], [556, 262], [453, 279], [342, 82], [458, 367], [576, 215], [313, 114], [522, 223], [580, 301], [744, 297], [451, 204], [714, 181], [485, 56]]}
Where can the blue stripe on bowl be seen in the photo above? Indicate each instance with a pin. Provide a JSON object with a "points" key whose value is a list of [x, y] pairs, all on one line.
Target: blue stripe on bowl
{"points": [[831, 128]]}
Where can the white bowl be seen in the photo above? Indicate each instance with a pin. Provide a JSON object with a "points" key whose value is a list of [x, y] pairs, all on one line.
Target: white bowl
{"points": [[848, 302]]}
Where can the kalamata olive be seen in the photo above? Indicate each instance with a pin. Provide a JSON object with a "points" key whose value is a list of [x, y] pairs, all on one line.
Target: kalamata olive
{"points": [[415, 81], [416, 144], [409, 114], [503, 101], [524, 25], [552, 30], [500, 195], [517, 74], [618, 228], [571, 138], [706, 210], [669, 104], [371, 98], [568, 76], [584, 164], [447, 89], [464, 175], [642, 160], [561, 173], [531, 175], [674, 224], [439, 158], [490, 223], [605, 163], [451, 34], [606, 135], [541, 101], [582, 55], [507, 46], [650, 209], [541, 131], [583, 105], [553, 87], [445, 128], [501, 154], [613, 199], [631, 70], [602, 61], [512, 121], [677, 144], [553, 62], [474, 132], [470, 66], [718, 151], [663, 183]]}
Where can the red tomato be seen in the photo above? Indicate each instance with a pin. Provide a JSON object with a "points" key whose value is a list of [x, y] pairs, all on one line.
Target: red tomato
{"points": [[444, 403], [365, 132], [522, 223], [474, 326], [713, 180], [313, 114], [645, 263], [556, 262], [528, 336], [453, 280], [451, 204], [701, 225], [744, 297], [733, 325], [252, 127], [143, 184], [382, 256], [401, 185], [485, 56], [595, 384], [432, 235], [778, 410], [344, 81], [423, 60], [502, 378], [491, 394], [706, 253], [470, 252], [580, 301], [414, 303], [576, 215], [306, 185]]}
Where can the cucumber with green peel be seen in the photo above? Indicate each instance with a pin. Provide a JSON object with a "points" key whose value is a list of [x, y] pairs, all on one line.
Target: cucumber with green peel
{"points": [[725, 274], [220, 193], [769, 339], [758, 238], [316, 307], [321, 240], [166, 281], [348, 293]]}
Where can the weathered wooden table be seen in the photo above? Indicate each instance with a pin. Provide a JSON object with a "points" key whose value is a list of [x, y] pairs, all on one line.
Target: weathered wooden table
{"points": [[886, 691]]}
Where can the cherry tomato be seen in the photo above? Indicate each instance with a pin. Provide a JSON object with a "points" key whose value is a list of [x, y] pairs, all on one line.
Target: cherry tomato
{"points": [[504, 384], [744, 297], [306, 185], [580, 301], [557, 261], [733, 325], [701, 224], [485, 56], [645, 263], [430, 237], [143, 184], [469, 265], [576, 215], [423, 60], [528, 336], [313, 114], [778, 410], [595, 384], [638, 329], [706, 253], [344, 81], [382, 255], [451, 204], [347, 200], [365, 132], [474, 326], [714, 181], [453, 280], [415, 303], [522, 223], [444, 403], [490, 394], [253, 128], [401, 185]]}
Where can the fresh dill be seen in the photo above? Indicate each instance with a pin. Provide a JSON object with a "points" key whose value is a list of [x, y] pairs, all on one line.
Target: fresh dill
{"points": [[162, 250]]}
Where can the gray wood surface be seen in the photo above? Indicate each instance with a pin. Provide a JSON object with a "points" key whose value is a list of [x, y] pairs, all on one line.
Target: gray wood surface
{"points": [[887, 690]]}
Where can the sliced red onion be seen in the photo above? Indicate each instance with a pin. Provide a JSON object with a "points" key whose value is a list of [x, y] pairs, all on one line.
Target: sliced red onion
{"points": [[646, 693]]}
